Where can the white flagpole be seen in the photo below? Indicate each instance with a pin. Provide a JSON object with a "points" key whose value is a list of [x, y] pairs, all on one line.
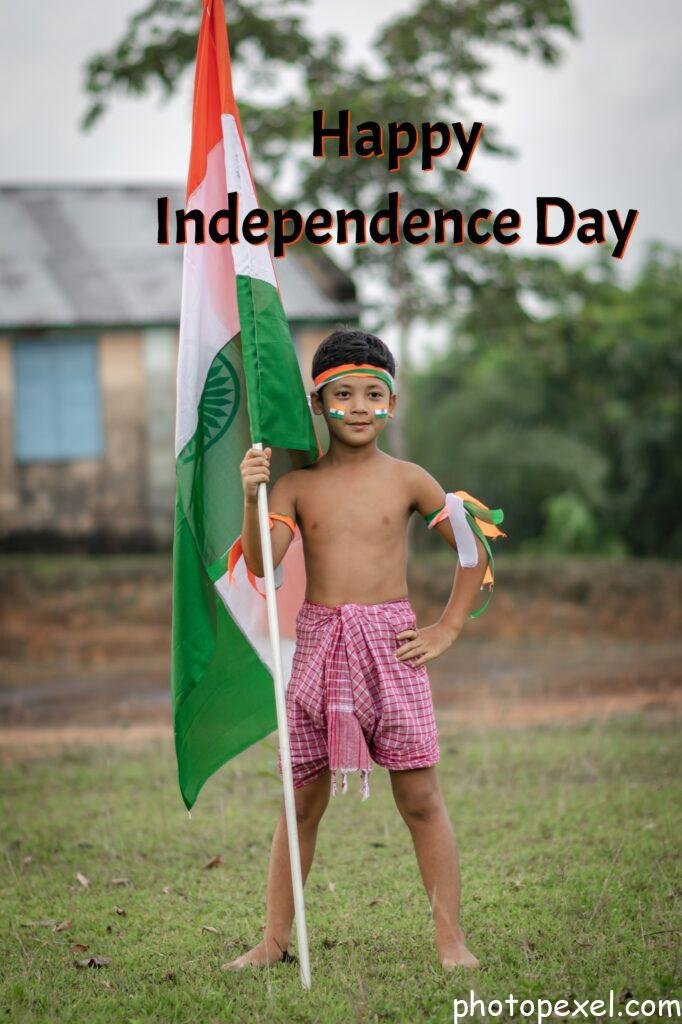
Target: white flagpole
{"points": [[285, 751]]}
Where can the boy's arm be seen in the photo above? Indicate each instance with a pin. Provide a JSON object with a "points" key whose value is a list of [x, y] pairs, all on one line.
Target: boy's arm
{"points": [[428, 497], [282, 500]]}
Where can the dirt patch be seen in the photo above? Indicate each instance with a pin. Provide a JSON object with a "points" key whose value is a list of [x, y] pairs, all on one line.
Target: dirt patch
{"points": [[26, 743], [19, 743], [84, 647]]}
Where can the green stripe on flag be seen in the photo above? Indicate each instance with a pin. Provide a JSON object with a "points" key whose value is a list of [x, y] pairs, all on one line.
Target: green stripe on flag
{"points": [[223, 699], [278, 408], [222, 692]]}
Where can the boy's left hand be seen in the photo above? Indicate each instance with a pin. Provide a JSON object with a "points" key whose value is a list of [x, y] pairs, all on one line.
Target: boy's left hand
{"points": [[424, 644]]}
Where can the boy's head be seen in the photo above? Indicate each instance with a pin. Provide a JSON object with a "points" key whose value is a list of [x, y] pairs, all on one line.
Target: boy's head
{"points": [[354, 403], [352, 346]]}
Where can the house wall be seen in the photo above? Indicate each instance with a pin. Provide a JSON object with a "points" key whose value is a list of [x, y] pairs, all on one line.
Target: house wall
{"points": [[9, 496], [120, 505], [96, 498], [127, 495], [160, 355]]}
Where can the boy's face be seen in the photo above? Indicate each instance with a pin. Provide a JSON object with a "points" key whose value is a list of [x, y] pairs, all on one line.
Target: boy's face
{"points": [[359, 397]]}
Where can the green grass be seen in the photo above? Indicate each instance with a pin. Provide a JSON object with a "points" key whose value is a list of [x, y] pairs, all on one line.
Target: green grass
{"points": [[568, 840]]}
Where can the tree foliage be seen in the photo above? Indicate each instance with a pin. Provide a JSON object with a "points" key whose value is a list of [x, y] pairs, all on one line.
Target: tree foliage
{"points": [[426, 65], [581, 405], [569, 418]]}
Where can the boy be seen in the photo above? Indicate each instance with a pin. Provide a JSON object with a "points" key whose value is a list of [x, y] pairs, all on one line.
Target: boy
{"points": [[358, 680]]}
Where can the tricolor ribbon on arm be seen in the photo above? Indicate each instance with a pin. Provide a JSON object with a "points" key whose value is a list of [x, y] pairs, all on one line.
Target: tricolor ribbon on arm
{"points": [[236, 552], [469, 519]]}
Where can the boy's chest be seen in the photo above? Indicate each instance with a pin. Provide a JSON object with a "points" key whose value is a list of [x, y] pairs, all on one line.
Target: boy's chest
{"points": [[354, 514]]}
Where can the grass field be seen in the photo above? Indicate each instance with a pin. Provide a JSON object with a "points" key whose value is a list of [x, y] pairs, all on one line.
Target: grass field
{"points": [[568, 840]]}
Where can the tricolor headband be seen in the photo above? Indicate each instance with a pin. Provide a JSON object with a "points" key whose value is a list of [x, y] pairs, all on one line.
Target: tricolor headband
{"points": [[347, 369]]}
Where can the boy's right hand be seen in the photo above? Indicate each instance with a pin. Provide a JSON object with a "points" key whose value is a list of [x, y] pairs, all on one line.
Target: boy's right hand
{"points": [[255, 469]]}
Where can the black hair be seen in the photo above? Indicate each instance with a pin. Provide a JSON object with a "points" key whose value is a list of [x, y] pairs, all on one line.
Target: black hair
{"points": [[352, 346]]}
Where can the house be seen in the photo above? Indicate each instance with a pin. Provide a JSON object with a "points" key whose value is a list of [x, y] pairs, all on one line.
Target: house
{"points": [[89, 313]]}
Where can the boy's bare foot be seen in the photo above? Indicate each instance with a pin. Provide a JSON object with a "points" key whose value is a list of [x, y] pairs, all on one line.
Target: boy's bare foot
{"points": [[455, 954], [265, 953]]}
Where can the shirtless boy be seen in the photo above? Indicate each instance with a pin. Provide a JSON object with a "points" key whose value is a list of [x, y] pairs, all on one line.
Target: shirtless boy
{"points": [[352, 507]]}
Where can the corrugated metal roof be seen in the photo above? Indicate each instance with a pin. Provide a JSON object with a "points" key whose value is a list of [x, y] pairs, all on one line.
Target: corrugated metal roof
{"points": [[77, 255]]}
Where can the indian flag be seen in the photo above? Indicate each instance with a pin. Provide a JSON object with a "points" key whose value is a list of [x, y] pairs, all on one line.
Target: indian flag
{"points": [[238, 383]]}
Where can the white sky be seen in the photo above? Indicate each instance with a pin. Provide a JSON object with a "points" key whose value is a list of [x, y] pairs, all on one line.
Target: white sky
{"points": [[600, 130]]}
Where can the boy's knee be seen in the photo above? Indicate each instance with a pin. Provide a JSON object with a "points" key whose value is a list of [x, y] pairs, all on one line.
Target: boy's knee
{"points": [[311, 801], [418, 802]]}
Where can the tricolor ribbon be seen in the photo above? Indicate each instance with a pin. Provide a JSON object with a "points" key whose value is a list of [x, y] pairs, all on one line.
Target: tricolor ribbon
{"points": [[236, 551], [333, 373], [469, 519]]}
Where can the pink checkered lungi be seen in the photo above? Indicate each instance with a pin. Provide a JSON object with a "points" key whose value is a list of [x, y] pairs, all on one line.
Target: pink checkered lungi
{"points": [[349, 698]]}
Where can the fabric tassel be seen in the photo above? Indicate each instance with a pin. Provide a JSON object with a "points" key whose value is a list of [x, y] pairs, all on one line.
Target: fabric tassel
{"points": [[345, 772], [346, 743]]}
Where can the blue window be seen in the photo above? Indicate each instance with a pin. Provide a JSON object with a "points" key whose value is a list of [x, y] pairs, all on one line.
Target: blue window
{"points": [[57, 412]]}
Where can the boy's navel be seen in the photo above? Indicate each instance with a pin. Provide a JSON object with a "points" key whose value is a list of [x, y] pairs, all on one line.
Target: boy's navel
{"points": [[385, 520]]}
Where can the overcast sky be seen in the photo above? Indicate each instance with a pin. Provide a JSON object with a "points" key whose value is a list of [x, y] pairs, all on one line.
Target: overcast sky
{"points": [[601, 129]]}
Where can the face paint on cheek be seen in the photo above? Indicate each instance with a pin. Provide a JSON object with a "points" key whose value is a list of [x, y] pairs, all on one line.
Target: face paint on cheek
{"points": [[337, 414], [381, 413]]}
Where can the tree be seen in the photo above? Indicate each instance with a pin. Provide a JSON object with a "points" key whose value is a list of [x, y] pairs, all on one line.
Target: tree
{"points": [[426, 65], [573, 415]]}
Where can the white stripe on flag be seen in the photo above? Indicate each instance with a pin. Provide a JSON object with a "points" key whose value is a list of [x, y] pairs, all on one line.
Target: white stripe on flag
{"points": [[250, 260], [250, 613], [209, 317]]}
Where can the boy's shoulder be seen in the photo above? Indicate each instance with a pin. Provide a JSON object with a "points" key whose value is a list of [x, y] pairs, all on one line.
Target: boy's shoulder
{"points": [[288, 479], [412, 470], [419, 488], [409, 472], [426, 494], [290, 482], [411, 475], [415, 473]]}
